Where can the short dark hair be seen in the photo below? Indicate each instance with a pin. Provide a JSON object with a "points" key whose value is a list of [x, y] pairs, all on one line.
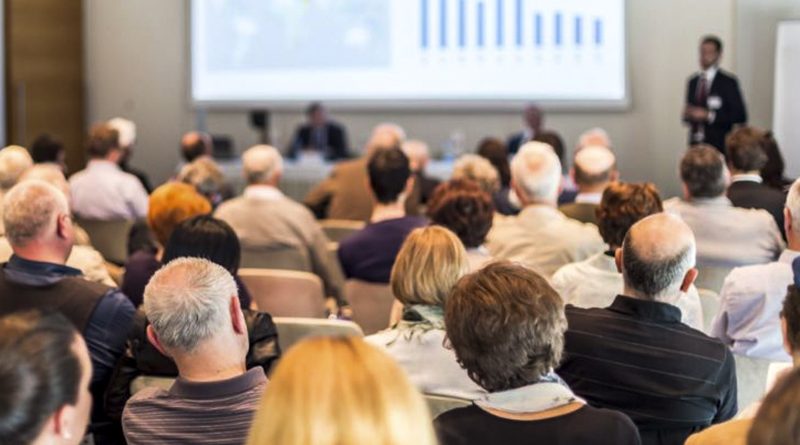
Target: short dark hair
{"points": [[46, 148], [791, 314], [463, 207], [103, 139], [205, 237], [651, 277], [778, 419], [495, 151], [313, 107], [703, 172], [745, 148], [39, 373], [193, 150], [389, 170], [506, 325], [624, 204], [554, 140], [713, 40]]}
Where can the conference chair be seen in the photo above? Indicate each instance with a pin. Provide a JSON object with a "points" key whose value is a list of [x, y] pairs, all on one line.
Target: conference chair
{"points": [[751, 378], [285, 293], [110, 238], [709, 300], [284, 258], [371, 304], [291, 329], [441, 404], [338, 229], [711, 277]]}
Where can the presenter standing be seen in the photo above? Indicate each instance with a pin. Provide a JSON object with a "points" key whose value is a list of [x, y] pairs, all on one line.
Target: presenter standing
{"points": [[714, 102], [319, 137], [533, 117]]}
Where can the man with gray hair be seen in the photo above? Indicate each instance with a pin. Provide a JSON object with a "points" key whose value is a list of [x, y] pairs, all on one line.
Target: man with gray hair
{"points": [[265, 219], [195, 320], [594, 167], [636, 356], [752, 296], [14, 160], [541, 237]]}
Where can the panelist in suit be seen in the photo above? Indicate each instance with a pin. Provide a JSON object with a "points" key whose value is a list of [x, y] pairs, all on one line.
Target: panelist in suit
{"points": [[533, 116], [320, 135], [714, 102]]}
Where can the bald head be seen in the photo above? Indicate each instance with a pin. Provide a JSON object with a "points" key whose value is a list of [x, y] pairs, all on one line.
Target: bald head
{"points": [[195, 144], [593, 137], [594, 167], [536, 173], [657, 255], [262, 164]]}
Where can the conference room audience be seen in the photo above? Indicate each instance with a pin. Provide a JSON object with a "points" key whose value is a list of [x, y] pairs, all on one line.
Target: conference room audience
{"points": [[430, 262], [169, 205], [266, 220], [751, 296], [727, 236], [541, 237], [637, 357], [44, 380], [506, 325], [47, 149], [773, 171], [196, 144], [418, 157], [126, 129], [778, 419], [369, 254], [463, 207], [593, 169], [746, 157], [596, 281], [195, 319], [494, 150], [340, 391], [533, 120]]}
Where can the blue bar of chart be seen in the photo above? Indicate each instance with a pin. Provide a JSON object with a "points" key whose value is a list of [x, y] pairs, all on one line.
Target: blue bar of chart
{"points": [[462, 23], [578, 30], [538, 25], [443, 23], [500, 22], [424, 19], [519, 17], [480, 17], [557, 27], [598, 32]]}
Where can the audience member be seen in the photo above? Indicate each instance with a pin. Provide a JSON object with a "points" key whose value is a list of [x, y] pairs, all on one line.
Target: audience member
{"points": [[340, 391], [773, 170], [205, 175], [636, 355], [727, 236], [195, 319], [102, 190], [594, 168], [541, 237], [126, 130], [778, 419], [265, 219], [751, 296], [196, 144], [14, 160], [44, 380], [369, 254], [46, 149], [746, 157], [430, 262], [506, 325], [596, 281], [593, 137], [463, 207], [322, 136], [418, 158], [169, 205], [477, 169], [494, 150], [533, 118], [554, 140]]}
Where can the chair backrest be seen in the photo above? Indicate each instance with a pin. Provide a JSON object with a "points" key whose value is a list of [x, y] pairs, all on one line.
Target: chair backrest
{"points": [[110, 238], [150, 381], [371, 304], [291, 330], [751, 378], [709, 300], [339, 229], [711, 277], [284, 258], [441, 404], [285, 293]]}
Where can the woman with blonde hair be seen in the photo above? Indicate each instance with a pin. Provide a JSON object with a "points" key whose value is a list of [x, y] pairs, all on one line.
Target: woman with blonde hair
{"points": [[340, 391], [430, 262]]}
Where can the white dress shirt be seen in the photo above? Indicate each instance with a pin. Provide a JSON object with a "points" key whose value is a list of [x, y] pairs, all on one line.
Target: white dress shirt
{"points": [[589, 198], [478, 257], [595, 282], [750, 304], [103, 191]]}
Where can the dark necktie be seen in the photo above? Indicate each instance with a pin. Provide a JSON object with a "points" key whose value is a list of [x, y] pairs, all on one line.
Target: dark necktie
{"points": [[702, 91]]}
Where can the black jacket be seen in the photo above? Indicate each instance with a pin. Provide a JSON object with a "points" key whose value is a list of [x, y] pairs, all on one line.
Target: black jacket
{"points": [[754, 195], [731, 109], [336, 138]]}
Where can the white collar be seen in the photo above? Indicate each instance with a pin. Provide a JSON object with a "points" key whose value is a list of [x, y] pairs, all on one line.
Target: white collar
{"points": [[710, 73], [744, 177], [263, 192], [588, 198], [102, 164]]}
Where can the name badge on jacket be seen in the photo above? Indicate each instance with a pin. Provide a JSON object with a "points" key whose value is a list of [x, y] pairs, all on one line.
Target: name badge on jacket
{"points": [[714, 102]]}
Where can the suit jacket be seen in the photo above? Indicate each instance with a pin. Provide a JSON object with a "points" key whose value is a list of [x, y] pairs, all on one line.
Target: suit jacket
{"points": [[581, 211], [336, 138], [755, 195], [731, 109], [515, 141]]}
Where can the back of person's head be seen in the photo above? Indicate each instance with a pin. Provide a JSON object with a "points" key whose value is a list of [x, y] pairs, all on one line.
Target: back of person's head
{"points": [[417, 152], [793, 207], [594, 166], [49, 173], [389, 171], [32, 211], [103, 140], [384, 136], [657, 254], [204, 175], [777, 421], [428, 264], [262, 164], [46, 148], [171, 204], [495, 151], [44, 380], [536, 173], [773, 170], [478, 169], [622, 205], [703, 172], [14, 160], [463, 207], [205, 237], [188, 303], [195, 144], [745, 148], [593, 137], [554, 140], [126, 130], [506, 325], [790, 318], [340, 391]]}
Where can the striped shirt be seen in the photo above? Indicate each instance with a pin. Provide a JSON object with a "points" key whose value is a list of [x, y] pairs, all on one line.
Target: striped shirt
{"points": [[195, 413], [637, 357]]}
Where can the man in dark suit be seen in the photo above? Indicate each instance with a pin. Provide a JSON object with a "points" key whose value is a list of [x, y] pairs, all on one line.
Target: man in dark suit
{"points": [[746, 157], [320, 135], [533, 118], [714, 103]]}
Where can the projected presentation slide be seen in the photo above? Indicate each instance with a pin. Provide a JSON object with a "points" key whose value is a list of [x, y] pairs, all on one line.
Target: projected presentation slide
{"points": [[408, 50]]}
